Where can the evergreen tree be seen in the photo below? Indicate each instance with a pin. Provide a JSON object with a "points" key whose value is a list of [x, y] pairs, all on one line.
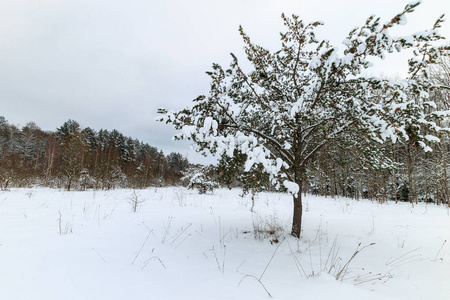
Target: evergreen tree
{"points": [[176, 165], [70, 141], [5, 133], [305, 96], [198, 177]]}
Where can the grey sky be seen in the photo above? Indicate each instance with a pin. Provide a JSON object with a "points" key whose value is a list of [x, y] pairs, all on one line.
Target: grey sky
{"points": [[110, 64]]}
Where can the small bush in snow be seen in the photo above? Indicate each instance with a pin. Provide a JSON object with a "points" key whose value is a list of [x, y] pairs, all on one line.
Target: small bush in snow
{"points": [[198, 179], [269, 227], [200, 182]]}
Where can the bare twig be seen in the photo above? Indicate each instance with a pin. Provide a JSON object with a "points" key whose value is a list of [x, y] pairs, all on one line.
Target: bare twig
{"points": [[257, 279], [440, 249], [297, 263], [142, 247], [174, 238], [99, 255], [273, 255], [341, 274], [265, 269], [403, 259], [153, 257]]}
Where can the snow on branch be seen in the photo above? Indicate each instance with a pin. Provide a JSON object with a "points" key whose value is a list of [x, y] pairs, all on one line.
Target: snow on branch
{"points": [[297, 100]]}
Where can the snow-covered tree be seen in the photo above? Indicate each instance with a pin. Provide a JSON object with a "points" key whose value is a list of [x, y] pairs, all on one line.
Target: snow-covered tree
{"points": [[5, 133], [308, 94], [197, 178], [176, 165], [299, 100], [70, 141], [230, 171]]}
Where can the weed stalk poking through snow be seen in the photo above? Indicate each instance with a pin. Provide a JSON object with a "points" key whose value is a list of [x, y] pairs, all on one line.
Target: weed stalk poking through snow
{"points": [[66, 229], [135, 201], [265, 269]]}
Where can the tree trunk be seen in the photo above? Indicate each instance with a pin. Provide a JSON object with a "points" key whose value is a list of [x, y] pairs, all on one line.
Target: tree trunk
{"points": [[394, 159], [50, 156], [298, 210], [444, 165], [410, 181], [69, 183], [414, 180], [436, 182]]}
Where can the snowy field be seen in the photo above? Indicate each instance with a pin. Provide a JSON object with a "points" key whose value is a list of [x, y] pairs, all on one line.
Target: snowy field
{"points": [[180, 245]]}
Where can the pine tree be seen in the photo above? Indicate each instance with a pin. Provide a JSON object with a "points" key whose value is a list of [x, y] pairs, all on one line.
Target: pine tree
{"points": [[70, 141], [176, 165], [305, 96], [197, 177]]}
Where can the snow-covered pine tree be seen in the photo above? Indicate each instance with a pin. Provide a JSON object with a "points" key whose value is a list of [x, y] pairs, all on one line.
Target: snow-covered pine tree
{"points": [[70, 142], [176, 165], [197, 177], [5, 137], [230, 172], [440, 74], [307, 95]]}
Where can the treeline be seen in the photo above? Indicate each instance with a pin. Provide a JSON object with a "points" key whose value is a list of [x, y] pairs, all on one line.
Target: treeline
{"points": [[412, 173], [418, 176], [76, 158], [82, 158]]}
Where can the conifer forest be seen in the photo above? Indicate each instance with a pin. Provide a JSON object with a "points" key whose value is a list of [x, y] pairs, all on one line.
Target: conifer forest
{"points": [[76, 158]]}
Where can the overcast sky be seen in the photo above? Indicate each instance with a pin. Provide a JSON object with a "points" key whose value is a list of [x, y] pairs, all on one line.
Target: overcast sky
{"points": [[110, 64]]}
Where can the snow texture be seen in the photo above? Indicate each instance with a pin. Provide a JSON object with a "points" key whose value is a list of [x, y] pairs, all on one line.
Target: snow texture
{"points": [[179, 245]]}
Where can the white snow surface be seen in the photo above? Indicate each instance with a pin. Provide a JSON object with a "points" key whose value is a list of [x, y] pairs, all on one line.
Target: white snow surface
{"points": [[180, 245]]}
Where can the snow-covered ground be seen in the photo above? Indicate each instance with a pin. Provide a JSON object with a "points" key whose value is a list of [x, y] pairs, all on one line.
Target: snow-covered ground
{"points": [[180, 245]]}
